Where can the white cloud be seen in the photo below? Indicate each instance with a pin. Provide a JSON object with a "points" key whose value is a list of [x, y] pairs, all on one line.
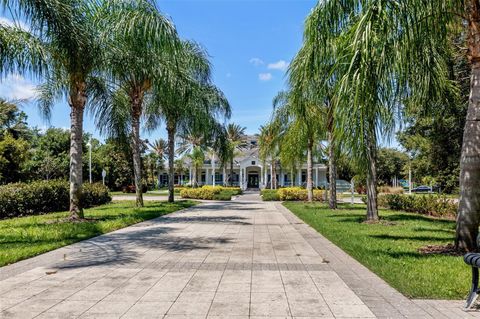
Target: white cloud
{"points": [[16, 87], [256, 61], [9, 22], [279, 65], [265, 76]]}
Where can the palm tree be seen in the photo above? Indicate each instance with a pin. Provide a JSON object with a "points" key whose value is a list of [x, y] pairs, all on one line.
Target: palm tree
{"points": [[159, 146], [312, 71], [236, 141], [269, 147], [186, 99], [389, 51], [137, 57], [64, 38], [300, 116]]}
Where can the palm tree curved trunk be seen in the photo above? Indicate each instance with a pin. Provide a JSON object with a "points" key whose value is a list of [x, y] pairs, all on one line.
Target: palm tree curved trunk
{"points": [[332, 171], [309, 172], [372, 209], [77, 101], [171, 159], [468, 216], [137, 100]]}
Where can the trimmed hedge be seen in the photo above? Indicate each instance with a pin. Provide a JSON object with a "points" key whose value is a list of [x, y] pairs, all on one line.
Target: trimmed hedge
{"points": [[291, 194], [210, 192], [432, 205], [40, 197]]}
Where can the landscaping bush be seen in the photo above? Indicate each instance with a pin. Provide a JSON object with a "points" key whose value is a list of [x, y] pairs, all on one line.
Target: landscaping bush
{"points": [[95, 194], [210, 192], [20, 199], [298, 194], [433, 205], [270, 195]]}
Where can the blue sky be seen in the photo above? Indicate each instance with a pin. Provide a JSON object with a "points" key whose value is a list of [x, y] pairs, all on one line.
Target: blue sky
{"points": [[250, 44]]}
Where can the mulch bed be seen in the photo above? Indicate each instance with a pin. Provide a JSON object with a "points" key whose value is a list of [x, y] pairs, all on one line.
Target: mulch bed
{"points": [[448, 249]]}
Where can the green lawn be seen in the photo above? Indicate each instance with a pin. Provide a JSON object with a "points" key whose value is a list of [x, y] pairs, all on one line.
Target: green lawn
{"points": [[390, 248], [25, 237]]}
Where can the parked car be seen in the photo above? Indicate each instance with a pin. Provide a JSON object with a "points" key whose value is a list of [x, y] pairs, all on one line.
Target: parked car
{"points": [[423, 189]]}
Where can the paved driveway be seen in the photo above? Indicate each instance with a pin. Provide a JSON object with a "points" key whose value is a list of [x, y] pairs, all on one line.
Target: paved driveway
{"points": [[239, 259]]}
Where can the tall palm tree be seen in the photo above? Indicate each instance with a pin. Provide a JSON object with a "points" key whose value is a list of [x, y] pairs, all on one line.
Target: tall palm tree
{"points": [[159, 146], [390, 51], [64, 38], [137, 58], [236, 141], [312, 71], [186, 98], [300, 116], [269, 148]]}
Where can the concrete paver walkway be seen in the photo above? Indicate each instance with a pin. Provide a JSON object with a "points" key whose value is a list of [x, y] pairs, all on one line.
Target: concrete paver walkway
{"points": [[239, 259]]}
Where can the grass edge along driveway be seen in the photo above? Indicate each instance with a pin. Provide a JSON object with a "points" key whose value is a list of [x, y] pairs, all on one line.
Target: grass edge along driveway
{"points": [[390, 248], [25, 237]]}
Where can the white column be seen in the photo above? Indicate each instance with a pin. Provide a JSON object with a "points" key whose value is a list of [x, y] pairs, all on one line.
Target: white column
{"points": [[240, 181], [190, 175], [282, 178], [299, 177], [213, 170], [265, 177], [224, 176], [261, 176], [207, 176], [316, 176], [271, 175]]}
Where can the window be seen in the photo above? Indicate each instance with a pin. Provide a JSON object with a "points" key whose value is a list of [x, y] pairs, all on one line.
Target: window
{"points": [[253, 163]]}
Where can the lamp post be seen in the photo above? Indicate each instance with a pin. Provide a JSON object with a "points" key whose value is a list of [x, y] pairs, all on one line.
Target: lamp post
{"points": [[89, 144]]}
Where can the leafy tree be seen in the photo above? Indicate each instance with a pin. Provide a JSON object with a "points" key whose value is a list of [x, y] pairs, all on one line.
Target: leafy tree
{"points": [[390, 163], [187, 99], [138, 57], [13, 153], [269, 148], [12, 120]]}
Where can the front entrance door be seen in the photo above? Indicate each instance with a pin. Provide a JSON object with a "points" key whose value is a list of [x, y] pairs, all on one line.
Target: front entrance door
{"points": [[252, 181]]}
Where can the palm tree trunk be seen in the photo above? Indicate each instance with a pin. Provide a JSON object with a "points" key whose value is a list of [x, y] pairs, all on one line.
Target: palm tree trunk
{"points": [[194, 176], [468, 216], [332, 171], [372, 209], [137, 100], [77, 101], [309, 172], [171, 159]]}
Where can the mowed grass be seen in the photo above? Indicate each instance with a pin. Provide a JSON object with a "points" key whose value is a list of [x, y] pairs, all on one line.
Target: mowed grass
{"points": [[150, 193], [25, 237], [390, 248]]}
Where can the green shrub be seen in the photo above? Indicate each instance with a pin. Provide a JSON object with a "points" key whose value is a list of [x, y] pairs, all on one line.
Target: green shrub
{"points": [[433, 205], [211, 193], [20, 199], [270, 195], [298, 194], [95, 194]]}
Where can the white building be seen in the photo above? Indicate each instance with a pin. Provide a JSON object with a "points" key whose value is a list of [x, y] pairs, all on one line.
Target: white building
{"points": [[248, 172]]}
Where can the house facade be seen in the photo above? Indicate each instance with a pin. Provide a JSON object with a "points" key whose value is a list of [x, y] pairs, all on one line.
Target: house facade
{"points": [[249, 172]]}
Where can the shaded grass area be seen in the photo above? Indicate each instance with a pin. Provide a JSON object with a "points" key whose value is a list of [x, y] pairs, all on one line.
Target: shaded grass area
{"points": [[150, 193], [390, 248], [25, 237]]}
